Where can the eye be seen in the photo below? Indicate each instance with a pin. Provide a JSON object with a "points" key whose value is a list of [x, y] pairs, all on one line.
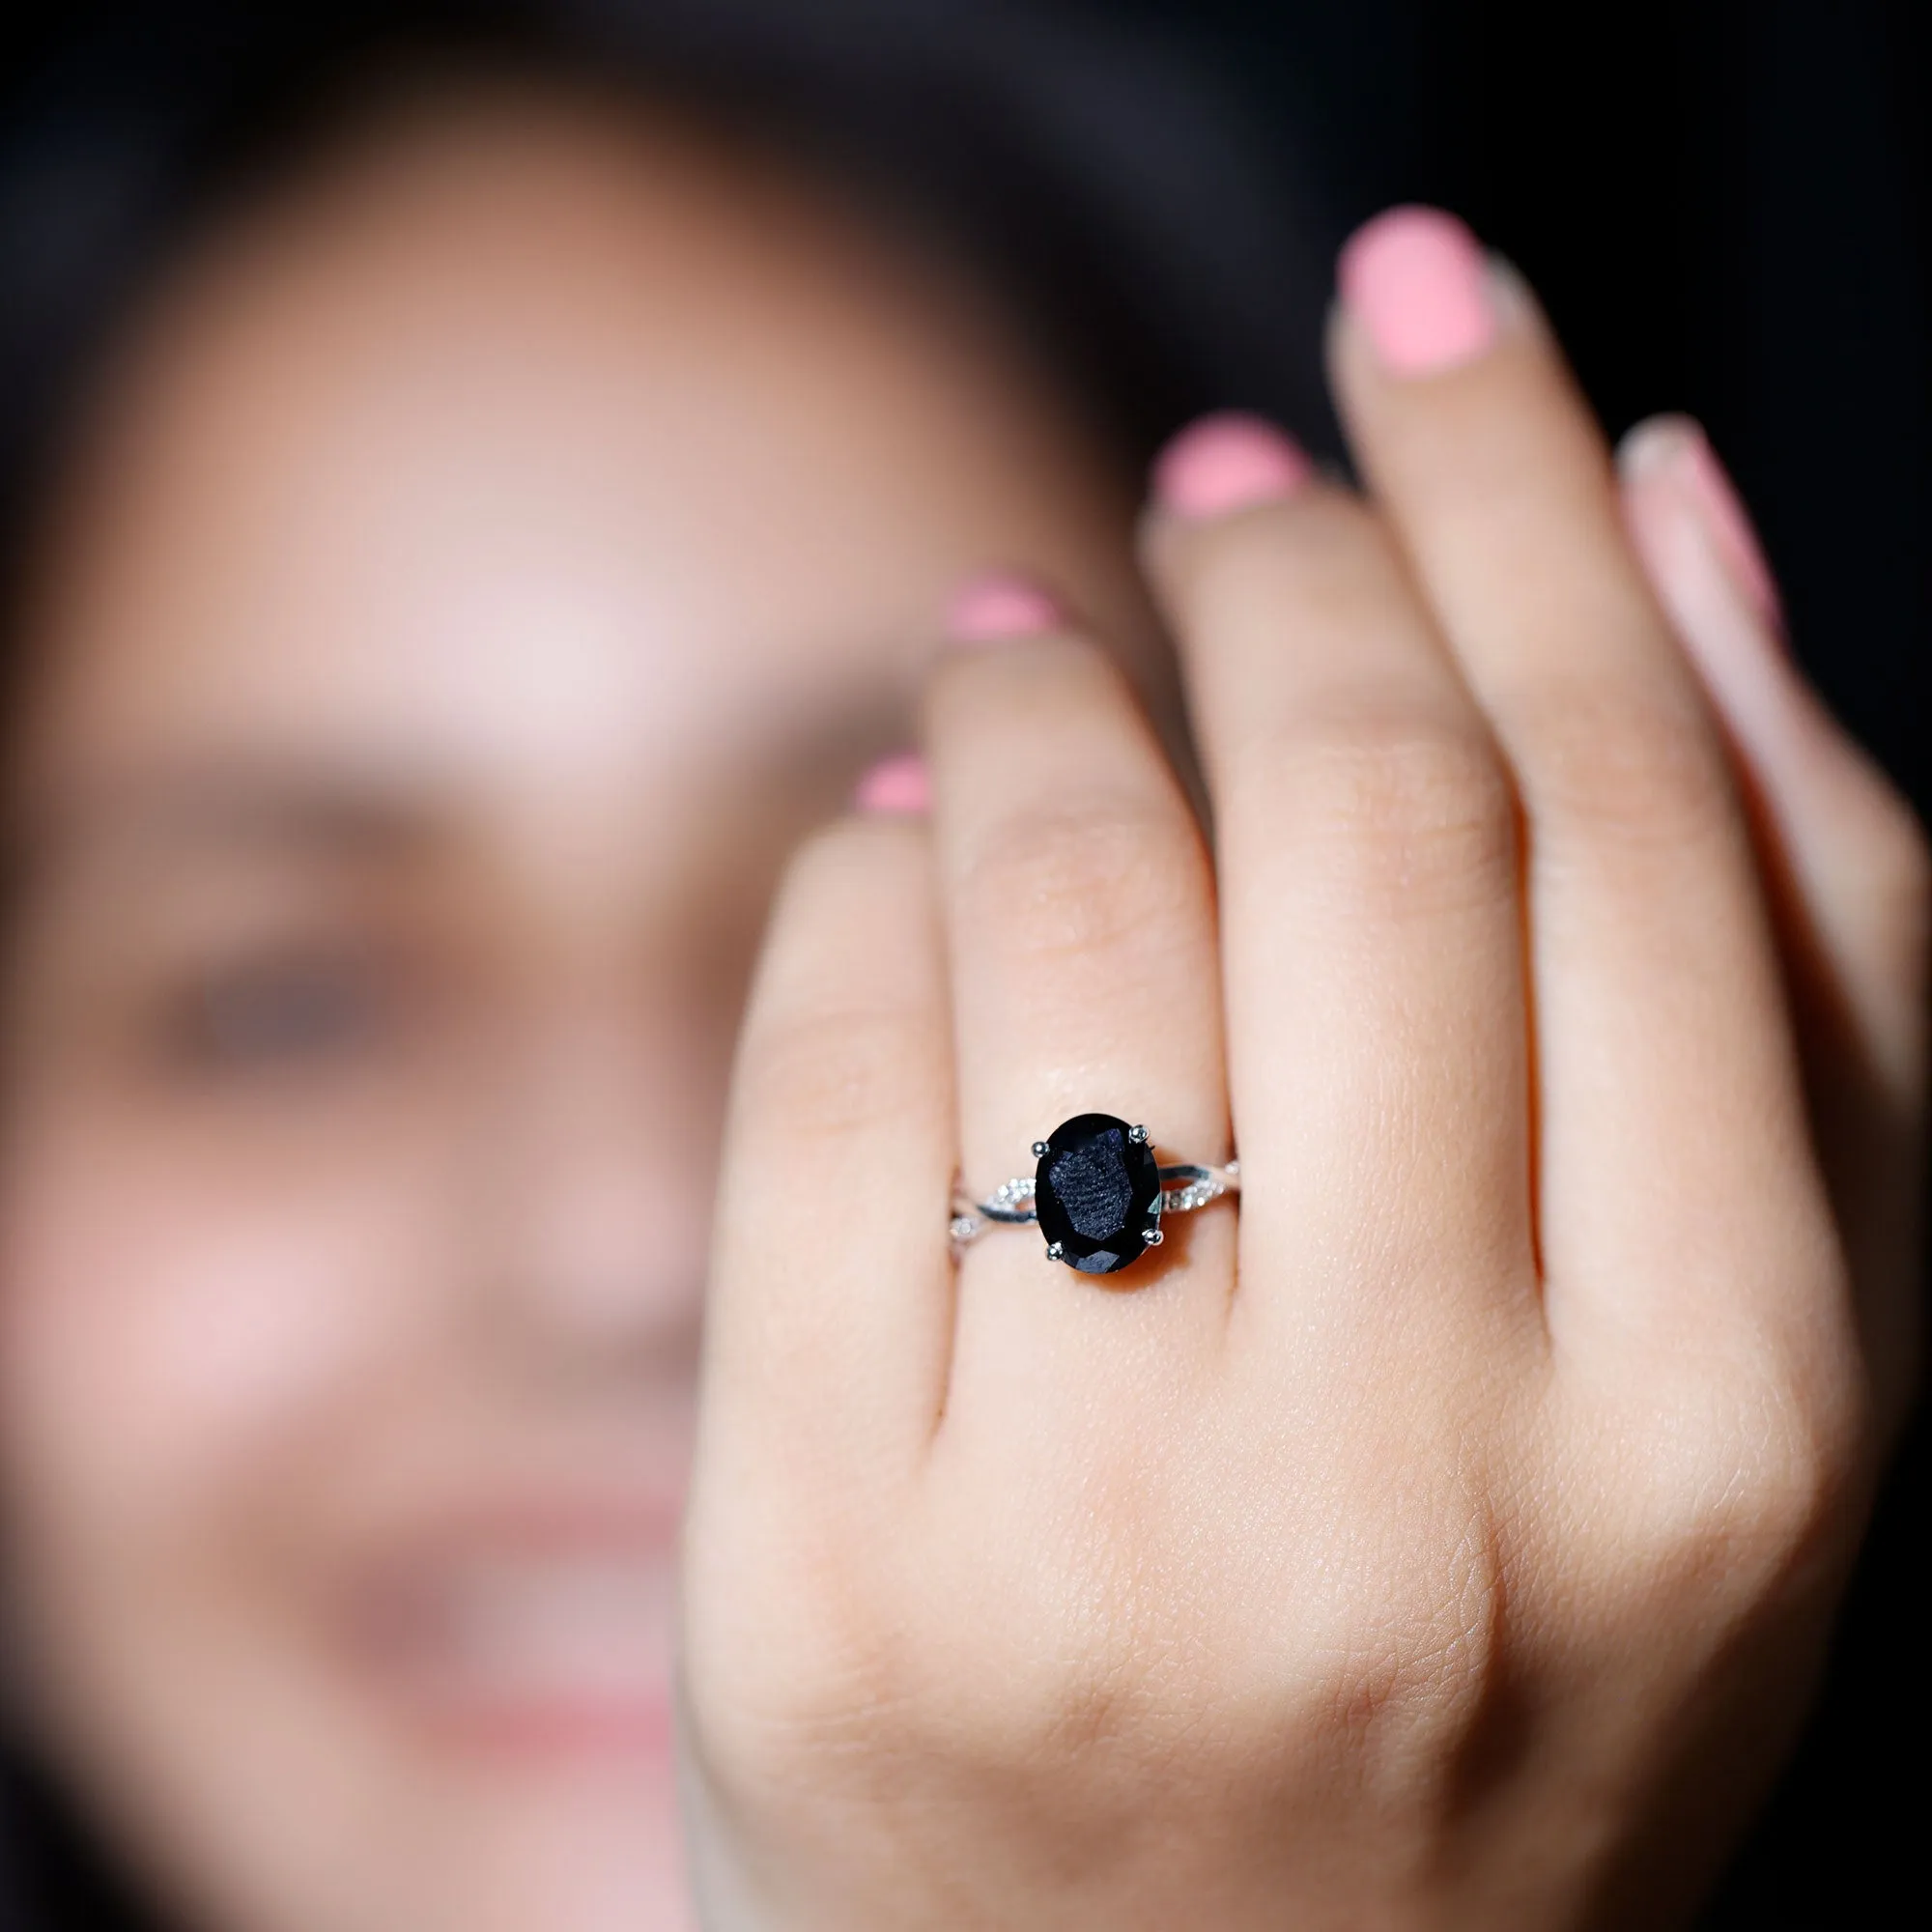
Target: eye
{"points": [[286, 1009]]}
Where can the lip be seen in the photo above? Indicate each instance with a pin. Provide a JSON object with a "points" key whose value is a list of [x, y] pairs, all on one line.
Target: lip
{"points": [[539, 1631]]}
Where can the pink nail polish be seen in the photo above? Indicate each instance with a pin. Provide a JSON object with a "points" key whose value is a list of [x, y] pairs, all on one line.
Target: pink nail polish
{"points": [[1227, 463], [1002, 605], [1418, 282], [1729, 524], [899, 784]]}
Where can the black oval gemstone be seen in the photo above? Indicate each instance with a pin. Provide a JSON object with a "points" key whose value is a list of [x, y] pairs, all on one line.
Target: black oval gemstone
{"points": [[1097, 1193]]}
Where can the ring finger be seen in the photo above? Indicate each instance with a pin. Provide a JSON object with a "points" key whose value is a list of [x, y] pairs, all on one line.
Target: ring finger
{"points": [[1080, 926]]}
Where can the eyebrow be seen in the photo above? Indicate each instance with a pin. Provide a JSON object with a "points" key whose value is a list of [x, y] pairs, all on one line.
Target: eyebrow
{"points": [[328, 815]]}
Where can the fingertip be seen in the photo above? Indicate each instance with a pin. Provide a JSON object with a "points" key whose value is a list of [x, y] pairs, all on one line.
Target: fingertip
{"points": [[1417, 281], [1691, 535], [1675, 449], [899, 786], [1000, 606], [1226, 463], [1652, 447]]}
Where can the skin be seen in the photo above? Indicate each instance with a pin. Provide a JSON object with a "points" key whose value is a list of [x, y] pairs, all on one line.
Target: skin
{"points": [[486, 563]]}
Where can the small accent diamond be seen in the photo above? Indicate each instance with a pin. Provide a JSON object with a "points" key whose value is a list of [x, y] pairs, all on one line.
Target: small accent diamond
{"points": [[1195, 1194]]}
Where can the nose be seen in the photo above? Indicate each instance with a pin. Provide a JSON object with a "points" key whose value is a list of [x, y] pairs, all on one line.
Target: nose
{"points": [[595, 1193]]}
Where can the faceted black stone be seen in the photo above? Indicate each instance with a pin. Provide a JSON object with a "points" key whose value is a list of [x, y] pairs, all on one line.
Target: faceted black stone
{"points": [[1097, 1193]]}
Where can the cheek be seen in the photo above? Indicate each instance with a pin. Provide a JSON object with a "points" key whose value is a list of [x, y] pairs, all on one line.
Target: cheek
{"points": [[173, 1328]]}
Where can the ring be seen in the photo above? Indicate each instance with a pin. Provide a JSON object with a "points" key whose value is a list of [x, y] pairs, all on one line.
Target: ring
{"points": [[1097, 1194]]}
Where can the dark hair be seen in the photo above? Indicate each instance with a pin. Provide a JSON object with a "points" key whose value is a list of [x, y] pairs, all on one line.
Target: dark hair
{"points": [[1099, 179], [1094, 176]]}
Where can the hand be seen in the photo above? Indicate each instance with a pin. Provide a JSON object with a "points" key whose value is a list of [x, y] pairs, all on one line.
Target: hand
{"points": [[1447, 1536]]}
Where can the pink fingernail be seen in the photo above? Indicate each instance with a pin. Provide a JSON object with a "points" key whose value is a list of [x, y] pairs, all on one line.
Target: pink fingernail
{"points": [[900, 783], [1002, 605], [1227, 463], [1418, 282], [1729, 524]]}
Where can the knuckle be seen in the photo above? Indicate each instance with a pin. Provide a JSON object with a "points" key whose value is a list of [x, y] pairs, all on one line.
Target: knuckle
{"points": [[1898, 867], [1768, 1454], [774, 1712], [1750, 1512], [1805, 1450], [1637, 768], [1405, 809], [1084, 882], [1424, 1676], [1800, 1499]]}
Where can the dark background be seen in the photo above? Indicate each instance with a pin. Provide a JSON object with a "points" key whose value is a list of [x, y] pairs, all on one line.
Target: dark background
{"points": [[1722, 202]]}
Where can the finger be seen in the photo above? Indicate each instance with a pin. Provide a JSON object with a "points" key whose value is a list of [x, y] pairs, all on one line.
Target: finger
{"points": [[1671, 1120], [1370, 927], [1079, 921], [1854, 853], [1842, 855], [828, 1324]]}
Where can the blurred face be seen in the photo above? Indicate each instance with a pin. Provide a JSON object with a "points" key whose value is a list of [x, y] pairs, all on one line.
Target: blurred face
{"points": [[480, 570]]}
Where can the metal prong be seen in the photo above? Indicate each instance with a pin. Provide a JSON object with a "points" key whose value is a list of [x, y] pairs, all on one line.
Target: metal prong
{"points": [[1055, 1252], [1153, 1236], [1138, 1135], [1040, 1150]]}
